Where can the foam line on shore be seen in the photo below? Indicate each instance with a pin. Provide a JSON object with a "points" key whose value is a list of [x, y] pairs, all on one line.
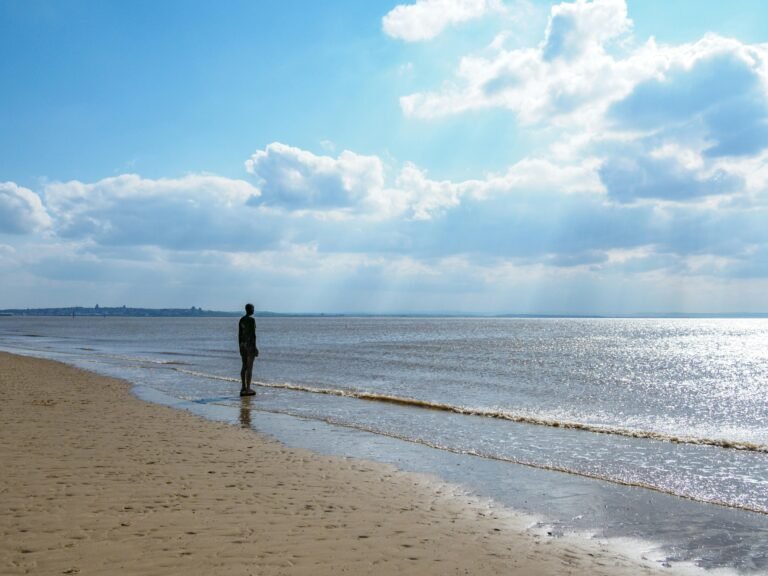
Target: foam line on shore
{"points": [[725, 443]]}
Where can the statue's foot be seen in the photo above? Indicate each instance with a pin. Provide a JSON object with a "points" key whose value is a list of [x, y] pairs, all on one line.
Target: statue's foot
{"points": [[247, 392]]}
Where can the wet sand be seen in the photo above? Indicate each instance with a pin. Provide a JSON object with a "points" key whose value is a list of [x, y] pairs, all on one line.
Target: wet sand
{"points": [[96, 481]]}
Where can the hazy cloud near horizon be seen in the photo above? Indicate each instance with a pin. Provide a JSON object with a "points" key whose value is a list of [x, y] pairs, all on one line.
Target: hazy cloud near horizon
{"points": [[647, 190]]}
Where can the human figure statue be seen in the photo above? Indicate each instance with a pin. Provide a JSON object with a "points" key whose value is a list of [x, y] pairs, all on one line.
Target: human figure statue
{"points": [[246, 335]]}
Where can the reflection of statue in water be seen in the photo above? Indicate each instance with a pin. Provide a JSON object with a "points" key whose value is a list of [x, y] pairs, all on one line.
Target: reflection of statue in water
{"points": [[245, 413], [246, 335]]}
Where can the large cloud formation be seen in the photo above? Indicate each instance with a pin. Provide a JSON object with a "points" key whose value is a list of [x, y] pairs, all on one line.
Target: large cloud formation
{"points": [[581, 68]]}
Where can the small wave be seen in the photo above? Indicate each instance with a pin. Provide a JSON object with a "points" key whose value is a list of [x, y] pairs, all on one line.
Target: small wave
{"points": [[506, 415], [164, 363], [211, 376], [142, 360]]}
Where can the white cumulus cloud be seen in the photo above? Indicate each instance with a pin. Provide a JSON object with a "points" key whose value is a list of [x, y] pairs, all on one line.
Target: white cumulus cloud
{"points": [[570, 70], [21, 210], [582, 27], [427, 18], [296, 178], [580, 79], [354, 186], [190, 212]]}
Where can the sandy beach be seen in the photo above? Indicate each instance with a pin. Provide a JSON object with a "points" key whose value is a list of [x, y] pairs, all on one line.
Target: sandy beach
{"points": [[96, 481]]}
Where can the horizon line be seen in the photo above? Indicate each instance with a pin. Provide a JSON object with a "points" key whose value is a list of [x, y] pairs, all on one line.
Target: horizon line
{"points": [[195, 310]]}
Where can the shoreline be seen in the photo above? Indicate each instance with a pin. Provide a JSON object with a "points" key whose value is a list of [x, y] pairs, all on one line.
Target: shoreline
{"points": [[98, 480]]}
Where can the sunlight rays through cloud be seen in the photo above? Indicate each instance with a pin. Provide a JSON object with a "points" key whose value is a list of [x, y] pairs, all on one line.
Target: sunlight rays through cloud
{"points": [[643, 167]]}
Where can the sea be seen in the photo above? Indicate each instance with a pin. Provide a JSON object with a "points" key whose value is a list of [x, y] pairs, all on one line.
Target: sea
{"points": [[650, 431]]}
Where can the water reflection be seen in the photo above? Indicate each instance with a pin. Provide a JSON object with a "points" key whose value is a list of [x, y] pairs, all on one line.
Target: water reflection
{"points": [[245, 411]]}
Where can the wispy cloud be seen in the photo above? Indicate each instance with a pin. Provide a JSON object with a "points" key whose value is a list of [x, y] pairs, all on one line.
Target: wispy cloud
{"points": [[425, 19]]}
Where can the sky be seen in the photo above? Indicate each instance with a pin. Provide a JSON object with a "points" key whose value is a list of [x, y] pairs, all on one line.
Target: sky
{"points": [[461, 156]]}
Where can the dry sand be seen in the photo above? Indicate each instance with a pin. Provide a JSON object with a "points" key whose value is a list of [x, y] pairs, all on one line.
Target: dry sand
{"points": [[95, 481]]}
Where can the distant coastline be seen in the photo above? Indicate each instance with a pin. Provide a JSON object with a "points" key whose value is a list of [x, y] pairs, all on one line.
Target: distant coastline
{"points": [[197, 312], [121, 311]]}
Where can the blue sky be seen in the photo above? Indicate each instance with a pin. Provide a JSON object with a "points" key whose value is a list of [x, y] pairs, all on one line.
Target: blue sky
{"points": [[434, 155]]}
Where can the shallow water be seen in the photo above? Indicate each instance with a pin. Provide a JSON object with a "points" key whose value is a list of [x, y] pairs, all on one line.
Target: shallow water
{"points": [[645, 423]]}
